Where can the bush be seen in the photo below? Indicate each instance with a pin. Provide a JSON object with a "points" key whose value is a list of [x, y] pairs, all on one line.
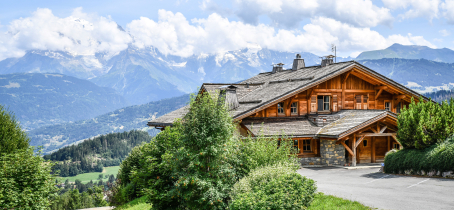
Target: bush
{"points": [[273, 187], [439, 157], [25, 181], [12, 137], [255, 152], [426, 123]]}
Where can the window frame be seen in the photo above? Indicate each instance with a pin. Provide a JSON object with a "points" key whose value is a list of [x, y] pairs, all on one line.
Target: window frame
{"points": [[399, 108], [279, 106], [389, 102], [324, 102], [394, 146], [305, 145], [294, 108]]}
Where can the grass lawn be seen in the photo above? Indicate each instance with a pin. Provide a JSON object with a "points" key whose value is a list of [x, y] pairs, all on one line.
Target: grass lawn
{"points": [[85, 178], [321, 202], [137, 204]]}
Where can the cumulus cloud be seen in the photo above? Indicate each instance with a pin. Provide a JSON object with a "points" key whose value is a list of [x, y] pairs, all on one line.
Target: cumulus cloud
{"points": [[289, 13], [416, 8], [173, 34], [448, 8], [79, 33]]}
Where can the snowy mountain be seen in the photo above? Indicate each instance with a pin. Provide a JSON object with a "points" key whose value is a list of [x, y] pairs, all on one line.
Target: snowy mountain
{"points": [[144, 75], [410, 52]]}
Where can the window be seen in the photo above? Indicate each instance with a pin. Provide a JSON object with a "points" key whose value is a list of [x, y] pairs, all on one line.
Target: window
{"points": [[388, 105], [323, 103], [280, 108], [365, 143], [396, 146], [294, 108], [307, 146], [278, 143], [399, 106], [295, 145], [361, 101]]}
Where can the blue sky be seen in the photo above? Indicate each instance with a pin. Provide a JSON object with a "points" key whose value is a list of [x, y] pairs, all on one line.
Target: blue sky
{"points": [[188, 27]]}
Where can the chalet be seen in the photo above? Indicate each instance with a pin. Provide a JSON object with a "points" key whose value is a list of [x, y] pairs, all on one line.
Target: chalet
{"points": [[336, 113]]}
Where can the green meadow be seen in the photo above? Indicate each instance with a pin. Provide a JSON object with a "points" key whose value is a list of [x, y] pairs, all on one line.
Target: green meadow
{"points": [[85, 178]]}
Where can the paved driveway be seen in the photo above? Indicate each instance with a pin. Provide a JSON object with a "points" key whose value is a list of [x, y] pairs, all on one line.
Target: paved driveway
{"points": [[383, 191]]}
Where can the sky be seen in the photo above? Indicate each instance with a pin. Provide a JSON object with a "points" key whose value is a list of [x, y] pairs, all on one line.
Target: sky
{"points": [[192, 27]]}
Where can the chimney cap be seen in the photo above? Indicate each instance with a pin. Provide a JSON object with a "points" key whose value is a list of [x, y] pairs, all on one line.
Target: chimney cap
{"points": [[278, 64], [298, 56]]}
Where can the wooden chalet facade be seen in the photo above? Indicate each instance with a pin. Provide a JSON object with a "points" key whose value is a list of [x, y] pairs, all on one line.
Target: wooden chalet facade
{"points": [[336, 113]]}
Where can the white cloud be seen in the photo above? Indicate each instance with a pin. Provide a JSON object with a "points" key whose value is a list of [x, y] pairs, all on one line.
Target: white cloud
{"points": [[444, 32], [448, 8], [173, 34], [416, 8], [289, 13], [78, 34]]}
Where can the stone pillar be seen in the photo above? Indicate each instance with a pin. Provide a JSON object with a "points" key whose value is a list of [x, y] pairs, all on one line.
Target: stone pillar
{"points": [[332, 153]]}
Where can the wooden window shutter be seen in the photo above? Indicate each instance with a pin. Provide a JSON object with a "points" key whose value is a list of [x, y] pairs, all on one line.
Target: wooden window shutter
{"points": [[334, 103], [313, 103], [365, 101], [358, 101]]}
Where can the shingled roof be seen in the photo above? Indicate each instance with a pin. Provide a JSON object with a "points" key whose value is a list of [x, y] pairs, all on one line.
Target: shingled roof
{"points": [[268, 88]]}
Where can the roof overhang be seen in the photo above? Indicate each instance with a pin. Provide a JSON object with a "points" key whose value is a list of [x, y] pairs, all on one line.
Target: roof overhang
{"points": [[387, 114]]}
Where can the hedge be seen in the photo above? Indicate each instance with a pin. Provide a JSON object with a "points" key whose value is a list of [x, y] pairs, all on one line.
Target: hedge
{"points": [[438, 158]]}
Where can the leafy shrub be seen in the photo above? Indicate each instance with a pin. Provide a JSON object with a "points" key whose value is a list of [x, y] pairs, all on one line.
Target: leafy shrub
{"points": [[255, 152], [439, 157], [12, 137], [425, 123], [273, 187], [25, 181]]}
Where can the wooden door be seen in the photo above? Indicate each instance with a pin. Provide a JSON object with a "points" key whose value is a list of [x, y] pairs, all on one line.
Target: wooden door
{"points": [[365, 150], [381, 147]]}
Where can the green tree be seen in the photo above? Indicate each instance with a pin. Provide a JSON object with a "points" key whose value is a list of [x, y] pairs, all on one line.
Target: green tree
{"points": [[11, 135], [425, 123], [201, 168], [26, 181]]}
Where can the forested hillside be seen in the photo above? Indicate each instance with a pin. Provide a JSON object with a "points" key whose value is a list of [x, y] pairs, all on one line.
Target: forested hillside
{"points": [[125, 119], [440, 95], [94, 154], [48, 99]]}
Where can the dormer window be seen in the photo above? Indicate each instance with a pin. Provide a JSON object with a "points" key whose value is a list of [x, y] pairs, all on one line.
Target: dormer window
{"points": [[323, 103], [294, 108], [280, 108]]}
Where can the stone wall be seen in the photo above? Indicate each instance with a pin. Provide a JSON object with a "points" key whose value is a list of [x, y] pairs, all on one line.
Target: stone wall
{"points": [[330, 154]]}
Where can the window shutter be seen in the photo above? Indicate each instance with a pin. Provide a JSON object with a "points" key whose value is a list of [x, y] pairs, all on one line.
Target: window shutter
{"points": [[358, 102], [365, 100], [334, 103], [313, 103]]}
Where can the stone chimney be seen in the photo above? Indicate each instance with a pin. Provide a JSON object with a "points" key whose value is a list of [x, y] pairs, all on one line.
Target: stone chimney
{"points": [[327, 60], [277, 67], [298, 63], [228, 94]]}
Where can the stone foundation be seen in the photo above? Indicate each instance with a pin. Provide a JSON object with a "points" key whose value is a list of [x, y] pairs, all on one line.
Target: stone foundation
{"points": [[330, 154]]}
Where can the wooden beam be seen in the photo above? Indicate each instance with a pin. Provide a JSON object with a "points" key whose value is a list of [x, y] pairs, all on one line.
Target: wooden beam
{"points": [[389, 143], [346, 77], [347, 148], [375, 131], [373, 150], [308, 103], [354, 150], [394, 137], [377, 134], [378, 94], [359, 141], [383, 129], [382, 87], [340, 90]]}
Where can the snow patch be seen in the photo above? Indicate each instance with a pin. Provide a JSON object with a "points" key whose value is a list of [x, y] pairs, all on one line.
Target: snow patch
{"points": [[67, 81], [183, 64], [429, 89], [53, 75], [12, 85]]}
